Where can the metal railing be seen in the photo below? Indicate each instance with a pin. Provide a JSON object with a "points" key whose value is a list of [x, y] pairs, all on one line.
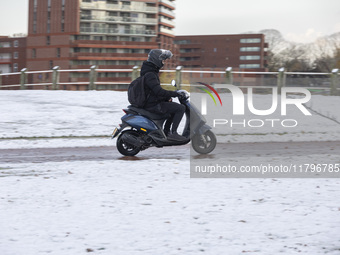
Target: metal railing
{"points": [[326, 82], [105, 6], [100, 30], [167, 21], [115, 19], [170, 3], [166, 11]]}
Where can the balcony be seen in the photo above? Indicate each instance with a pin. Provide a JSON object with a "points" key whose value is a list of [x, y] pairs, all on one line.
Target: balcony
{"points": [[5, 61], [191, 54], [170, 4], [126, 56], [5, 45], [5, 58], [166, 31], [113, 19], [191, 63], [167, 21], [115, 31], [134, 7], [166, 11], [119, 44]]}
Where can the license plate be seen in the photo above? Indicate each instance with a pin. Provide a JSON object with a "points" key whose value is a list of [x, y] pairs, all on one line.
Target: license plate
{"points": [[114, 132]]}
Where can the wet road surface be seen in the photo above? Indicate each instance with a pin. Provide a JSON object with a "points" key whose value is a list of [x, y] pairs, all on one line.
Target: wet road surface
{"points": [[177, 152]]}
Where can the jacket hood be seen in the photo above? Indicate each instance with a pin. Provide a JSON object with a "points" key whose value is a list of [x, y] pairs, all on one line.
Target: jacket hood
{"points": [[148, 67]]}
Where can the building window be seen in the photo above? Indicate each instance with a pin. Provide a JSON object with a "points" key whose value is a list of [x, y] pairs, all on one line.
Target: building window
{"points": [[250, 66], [35, 4], [182, 42], [58, 52], [15, 67], [34, 53], [250, 57], [48, 16], [48, 40], [51, 64], [16, 43], [63, 16], [250, 40], [250, 49], [15, 55], [5, 44]]}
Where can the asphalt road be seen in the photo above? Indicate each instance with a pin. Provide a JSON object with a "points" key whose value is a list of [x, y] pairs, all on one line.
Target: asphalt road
{"points": [[178, 152]]}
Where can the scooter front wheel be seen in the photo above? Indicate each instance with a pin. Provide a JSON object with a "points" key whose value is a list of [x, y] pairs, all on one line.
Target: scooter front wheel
{"points": [[125, 148], [204, 144]]}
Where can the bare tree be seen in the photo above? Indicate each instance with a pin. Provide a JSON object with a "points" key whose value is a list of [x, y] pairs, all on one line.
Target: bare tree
{"points": [[327, 50]]}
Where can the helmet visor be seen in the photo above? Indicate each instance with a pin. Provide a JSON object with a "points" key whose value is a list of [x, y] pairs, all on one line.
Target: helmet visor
{"points": [[165, 55]]}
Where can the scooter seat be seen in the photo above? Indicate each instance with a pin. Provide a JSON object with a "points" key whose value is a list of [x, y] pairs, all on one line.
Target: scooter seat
{"points": [[150, 115]]}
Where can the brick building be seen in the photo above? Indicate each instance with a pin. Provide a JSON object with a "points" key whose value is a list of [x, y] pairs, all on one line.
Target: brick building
{"points": [[111, 34], [12, 57], [240, 51]]}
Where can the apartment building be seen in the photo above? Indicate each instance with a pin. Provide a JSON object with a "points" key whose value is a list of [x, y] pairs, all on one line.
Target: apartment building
{"points": [[12, 58], [110, 34], [239, 51]]}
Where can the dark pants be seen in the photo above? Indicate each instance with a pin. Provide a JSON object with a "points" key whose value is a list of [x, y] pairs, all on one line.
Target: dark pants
{"points": [[174, 109]]}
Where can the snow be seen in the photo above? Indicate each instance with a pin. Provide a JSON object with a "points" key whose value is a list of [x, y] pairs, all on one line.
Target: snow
{"points": [[142, 207], [322, 125], [90, 117], [151, 206], [60, 113]]}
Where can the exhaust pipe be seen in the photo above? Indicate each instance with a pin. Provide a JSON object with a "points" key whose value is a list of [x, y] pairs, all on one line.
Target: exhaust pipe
{"points": [[132, 140]]}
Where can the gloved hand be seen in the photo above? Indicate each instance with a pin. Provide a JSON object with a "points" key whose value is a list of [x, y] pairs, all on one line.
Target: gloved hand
{"points": [[181, 95]]}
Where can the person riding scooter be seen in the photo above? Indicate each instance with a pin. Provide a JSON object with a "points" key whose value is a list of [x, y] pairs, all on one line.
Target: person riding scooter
{"points": [[141, 129], [159, 100]]}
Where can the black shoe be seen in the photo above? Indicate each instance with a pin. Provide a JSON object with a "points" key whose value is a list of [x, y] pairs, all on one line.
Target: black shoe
{"points": [[176, 137]]}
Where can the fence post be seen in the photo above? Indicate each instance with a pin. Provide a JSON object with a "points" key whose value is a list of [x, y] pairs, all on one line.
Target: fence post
{"points": [[55, 78], [281, 79], [23, 78], [93, 78], [0, 80], [334, 82], [135, 74], [229, 75], [179, 76]]}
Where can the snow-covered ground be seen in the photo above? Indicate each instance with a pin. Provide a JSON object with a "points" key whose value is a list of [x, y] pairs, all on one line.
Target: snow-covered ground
{"points": [[61, 114], [150, 206], [153, 207]]}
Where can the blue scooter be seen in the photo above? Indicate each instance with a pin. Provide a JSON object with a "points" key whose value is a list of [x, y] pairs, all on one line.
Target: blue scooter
{"points": [[141, 129]]}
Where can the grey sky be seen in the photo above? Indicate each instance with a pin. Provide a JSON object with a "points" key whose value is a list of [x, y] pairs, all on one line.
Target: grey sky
{"points": [[297, 20]]}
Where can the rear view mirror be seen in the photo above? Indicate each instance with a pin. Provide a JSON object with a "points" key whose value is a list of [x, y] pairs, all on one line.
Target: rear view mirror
{"points": [[173, 83]]}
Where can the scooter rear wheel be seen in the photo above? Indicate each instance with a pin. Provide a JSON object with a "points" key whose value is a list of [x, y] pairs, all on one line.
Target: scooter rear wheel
{"points": [[204, 144], [127, 149]]}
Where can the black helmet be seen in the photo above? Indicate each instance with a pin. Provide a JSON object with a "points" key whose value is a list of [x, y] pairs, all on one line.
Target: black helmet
{"points": [[158, 56]]}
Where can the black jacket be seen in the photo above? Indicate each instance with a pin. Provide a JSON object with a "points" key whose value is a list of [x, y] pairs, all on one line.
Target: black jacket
{"points": [[157, 93]]}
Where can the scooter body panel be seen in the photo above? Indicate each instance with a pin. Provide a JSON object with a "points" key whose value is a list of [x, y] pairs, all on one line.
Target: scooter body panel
{"points": [[140, 123]]}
